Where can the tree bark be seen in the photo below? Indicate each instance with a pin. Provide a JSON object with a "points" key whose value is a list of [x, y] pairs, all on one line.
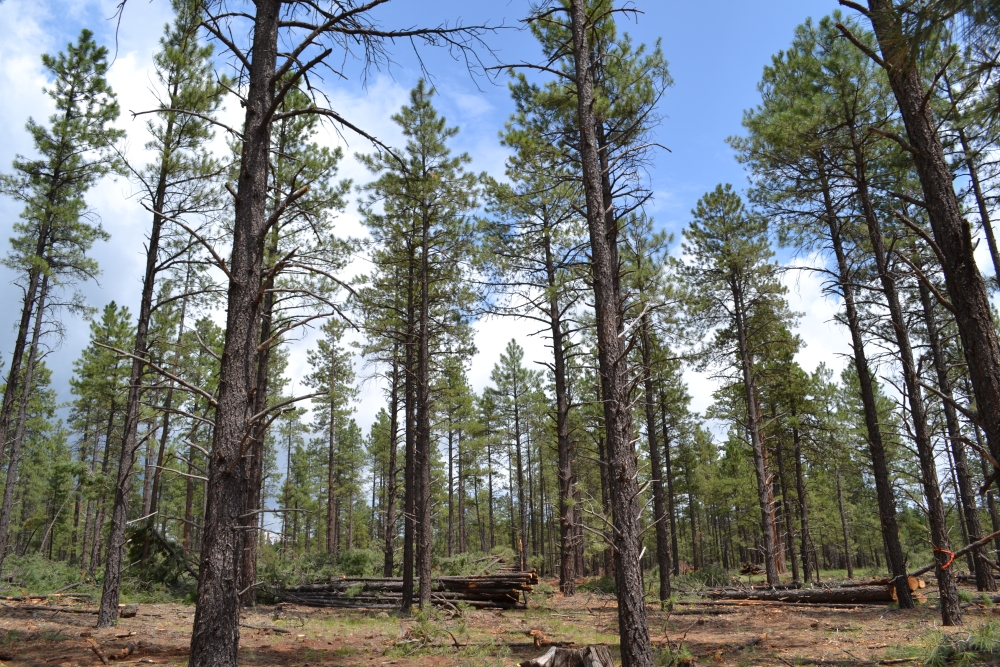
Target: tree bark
{"points": [[672, 515], [391, 492], [423, 458], [843, 527], [805, 540], [970, 511], [567, 510], [215, 635], [762, 472], [635, 645], [656, 473], [876, 447], [7, 508], [951, 612]]}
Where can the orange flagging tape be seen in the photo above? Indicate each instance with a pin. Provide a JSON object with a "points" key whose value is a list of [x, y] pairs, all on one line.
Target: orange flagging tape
{"points": [[951, 557]]}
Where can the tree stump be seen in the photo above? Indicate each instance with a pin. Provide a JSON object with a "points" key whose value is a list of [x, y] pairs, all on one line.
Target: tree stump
{"points": [[589, 656], [128, 610]]}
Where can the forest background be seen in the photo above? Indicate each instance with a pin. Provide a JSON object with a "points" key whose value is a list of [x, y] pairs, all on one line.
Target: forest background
{"points": [[716, 51]]}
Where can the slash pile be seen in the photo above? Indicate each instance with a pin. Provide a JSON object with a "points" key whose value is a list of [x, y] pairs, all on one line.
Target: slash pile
{"points": [[502, 590]]}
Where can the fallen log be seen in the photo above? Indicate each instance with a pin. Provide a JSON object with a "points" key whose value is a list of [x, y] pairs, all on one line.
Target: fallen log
{"points": [[854, 594]]}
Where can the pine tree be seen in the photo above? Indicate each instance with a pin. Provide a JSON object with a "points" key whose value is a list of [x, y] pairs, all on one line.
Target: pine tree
{"points": [[54, 233], [177, 185], [426, 200], [733, 284]]}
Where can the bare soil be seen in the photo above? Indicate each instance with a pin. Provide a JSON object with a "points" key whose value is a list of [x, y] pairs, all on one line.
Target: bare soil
{"points": [[709, 634]]}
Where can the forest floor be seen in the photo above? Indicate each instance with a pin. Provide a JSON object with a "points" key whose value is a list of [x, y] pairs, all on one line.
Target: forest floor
{"points": [[292, 636]]}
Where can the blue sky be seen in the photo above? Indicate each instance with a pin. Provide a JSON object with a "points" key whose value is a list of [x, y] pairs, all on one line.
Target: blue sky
{"points": [[716, 50]]}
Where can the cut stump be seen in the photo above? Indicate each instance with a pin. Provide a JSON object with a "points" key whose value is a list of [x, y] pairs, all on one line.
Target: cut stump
{"points": [[589, 656]]}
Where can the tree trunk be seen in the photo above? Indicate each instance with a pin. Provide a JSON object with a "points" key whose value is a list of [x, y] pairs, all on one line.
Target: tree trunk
{"points": [[951, 612], [423, 458], [843, 527], [670, 486], [451, 491], [391, 493], [567, 510], [984, 576], [786, 514], [7, 508], [876, 448], [765, 496], [635, 645], [807, 552], [656, 473], [215, 635], [410, 400]]}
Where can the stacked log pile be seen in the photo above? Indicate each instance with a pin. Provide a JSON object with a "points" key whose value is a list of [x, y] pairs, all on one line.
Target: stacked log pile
{"points": [[502, 590], [877, 591]]}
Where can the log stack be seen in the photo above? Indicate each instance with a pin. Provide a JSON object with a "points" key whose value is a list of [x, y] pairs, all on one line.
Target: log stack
{"points": [[502, 590]]}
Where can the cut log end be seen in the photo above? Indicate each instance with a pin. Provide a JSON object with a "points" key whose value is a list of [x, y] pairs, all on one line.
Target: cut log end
{"points": [[589, 656]]}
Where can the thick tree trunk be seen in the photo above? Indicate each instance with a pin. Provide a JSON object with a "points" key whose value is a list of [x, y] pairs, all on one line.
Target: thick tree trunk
{"points": [[876, 448], [7, 508], [424, 423], [410, 476], [952, 233], [635, 645], [215, 635], [656, 473], [951, 612]]}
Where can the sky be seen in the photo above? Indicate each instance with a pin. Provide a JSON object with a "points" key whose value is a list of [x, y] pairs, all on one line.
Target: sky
{"points": [[716, 49]]}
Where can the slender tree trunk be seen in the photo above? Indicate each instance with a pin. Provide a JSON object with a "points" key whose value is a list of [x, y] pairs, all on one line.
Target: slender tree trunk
{"points": [[786, 514], [7, 508], [391, 491], [967, 494], [462, 528], [843, 527], [951, 612], [522, 510], [656, 473], [215, 635], [489, 492], [451, 492], [672, 514], [567, 510], [331, 473], [807, 550], [981, 204], [876, 448], [764, 490]]}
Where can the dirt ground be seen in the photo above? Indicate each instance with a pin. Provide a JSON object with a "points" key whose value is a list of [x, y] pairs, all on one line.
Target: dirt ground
{"points": [[285, 635]]}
